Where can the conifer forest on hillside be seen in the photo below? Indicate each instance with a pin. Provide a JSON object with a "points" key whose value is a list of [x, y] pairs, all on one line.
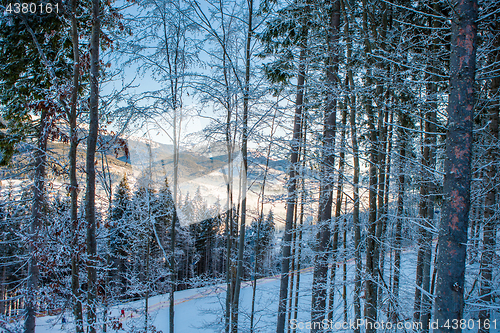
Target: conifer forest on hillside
{"points": [[249, 166]]}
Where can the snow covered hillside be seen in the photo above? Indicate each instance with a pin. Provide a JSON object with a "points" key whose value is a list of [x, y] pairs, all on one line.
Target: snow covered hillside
{"points": [[202, 309]]}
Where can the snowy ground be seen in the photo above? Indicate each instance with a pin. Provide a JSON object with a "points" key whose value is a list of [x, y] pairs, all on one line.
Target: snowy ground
{"points": [[202, 309], [198, 310]]}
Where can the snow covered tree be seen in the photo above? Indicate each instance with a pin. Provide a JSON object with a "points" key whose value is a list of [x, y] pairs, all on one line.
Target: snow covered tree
{"points": [[164, 214], [29, 87], [283, 35], [490, 227], [119, 236], [204, 236], [260, 240], [13, 216], [454, 222], [35, 58], [318, 309]]}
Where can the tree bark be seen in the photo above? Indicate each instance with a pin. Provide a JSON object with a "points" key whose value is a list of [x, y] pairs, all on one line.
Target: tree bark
{"points": [[426, 213], [244, 153], [229, 185], [429, 158], [383, 117], [453, 227], [320, 275], [292, 254], [338, 211], [292, 188], [73, 189], [355, 217], [355, 178], [295, 308], [385, 205], [402, 138], [90, 212], [171, 311], [37, 216], [371, 242], [370, 310], [146, 294]]}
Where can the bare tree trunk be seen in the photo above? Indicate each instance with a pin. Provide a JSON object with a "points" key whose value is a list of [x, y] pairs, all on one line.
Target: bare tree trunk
{"points": [[228, 223], [292, 256], [91, 174], [355, 180], [37, 216], [295, 265], [176, 86], [171, 298], [229, 187], [229, 236], [172, 269], [453, 228], [490, 221], [386, 180], [430, 139], [320, 275], [371, 245], [370, 310], [3, 290], [173, 279], [73, 189], [383, 117], [355, 216], [429, 156], [292, 188], [475, 227], [234, 267], [378, 139], [338, 211], [422, 217], [146, 295], [256, 250], [108, 184], [402, 139], [425, 206], [244, 153], [261, 198], [295, 308], [344, 270]]}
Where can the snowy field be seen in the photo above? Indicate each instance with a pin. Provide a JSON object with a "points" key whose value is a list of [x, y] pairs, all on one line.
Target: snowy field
{"points": [[202, 309], [199, 310]]}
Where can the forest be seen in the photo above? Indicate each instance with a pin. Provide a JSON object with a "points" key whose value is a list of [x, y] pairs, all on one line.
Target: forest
{"points": [[249, 166]]}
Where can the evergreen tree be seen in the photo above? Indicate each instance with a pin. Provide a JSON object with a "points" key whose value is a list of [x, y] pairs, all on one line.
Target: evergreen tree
{"points": [[119, 237], [163, 212], [204, 237], [31, 43], [139, 223], [260, 238], [187, 211]]}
